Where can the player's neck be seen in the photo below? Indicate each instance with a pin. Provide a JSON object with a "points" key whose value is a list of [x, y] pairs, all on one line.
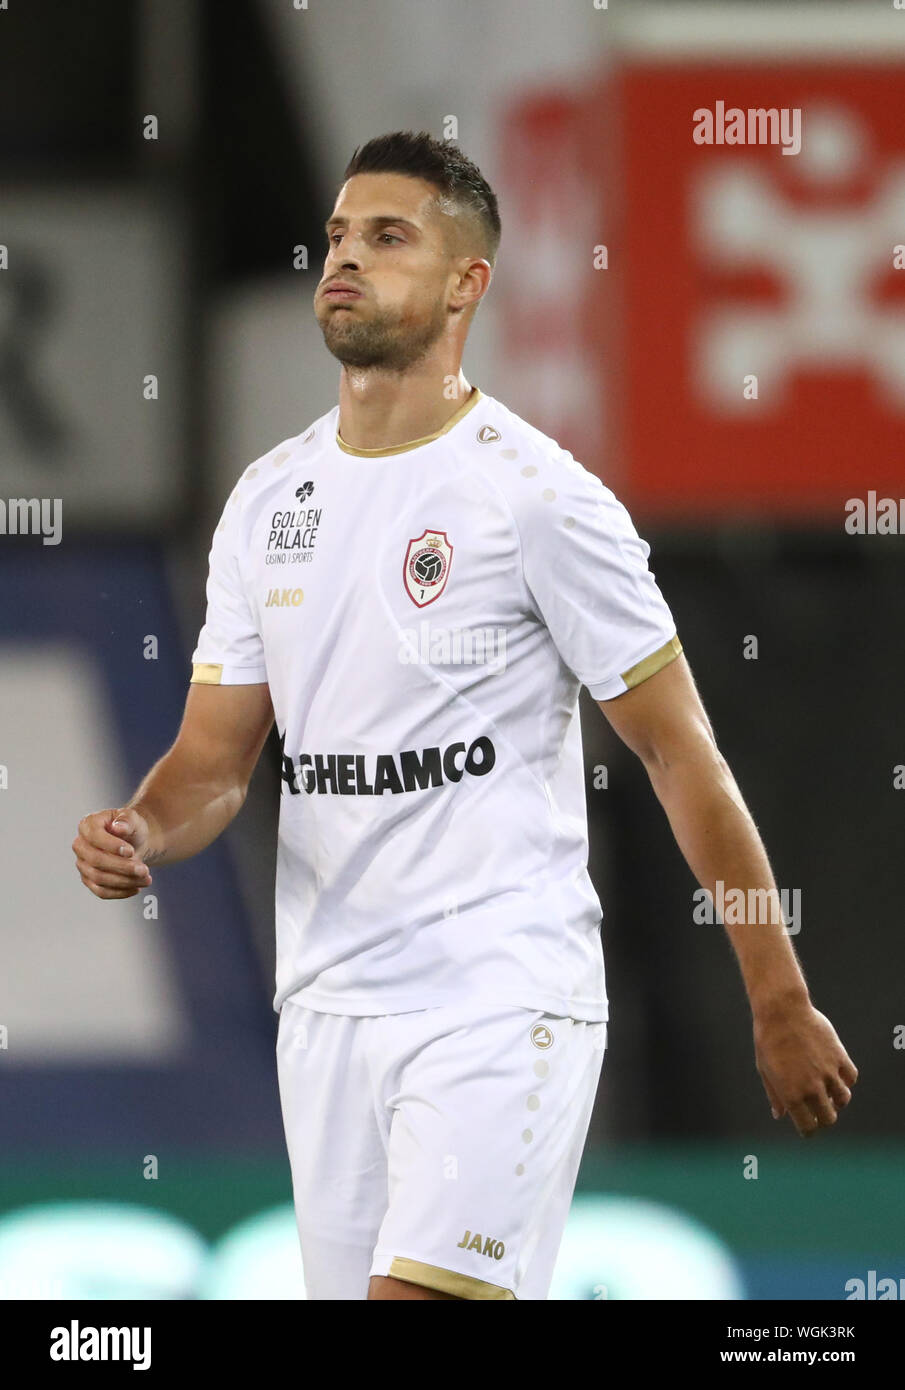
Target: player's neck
{"points": [[384, 410]]}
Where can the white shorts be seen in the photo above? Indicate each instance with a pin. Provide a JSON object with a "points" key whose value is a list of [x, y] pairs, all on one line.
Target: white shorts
{"points": [[440, 1147]]}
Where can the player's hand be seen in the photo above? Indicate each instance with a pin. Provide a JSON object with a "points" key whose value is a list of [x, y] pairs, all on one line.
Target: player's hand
{"points": [[806, 1071], [108, 853]]}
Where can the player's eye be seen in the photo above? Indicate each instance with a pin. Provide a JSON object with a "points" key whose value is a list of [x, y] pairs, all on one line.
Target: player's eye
{"points": [[390, 235]]}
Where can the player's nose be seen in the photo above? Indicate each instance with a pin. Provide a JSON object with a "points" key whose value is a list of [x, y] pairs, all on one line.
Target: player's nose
{"points": [[349, 253]]}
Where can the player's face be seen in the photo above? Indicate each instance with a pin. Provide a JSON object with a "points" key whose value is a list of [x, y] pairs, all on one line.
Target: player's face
{"points": [[386, 240]]}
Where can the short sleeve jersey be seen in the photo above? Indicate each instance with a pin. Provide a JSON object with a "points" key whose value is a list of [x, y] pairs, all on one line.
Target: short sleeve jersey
{"points": [[425, 617]]}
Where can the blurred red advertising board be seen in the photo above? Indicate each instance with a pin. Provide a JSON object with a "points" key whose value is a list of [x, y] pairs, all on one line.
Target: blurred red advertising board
{"points": [[741, 267], [743, 352]]}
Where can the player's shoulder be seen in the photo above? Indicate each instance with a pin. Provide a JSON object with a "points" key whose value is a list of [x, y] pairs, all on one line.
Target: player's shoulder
{"points": [[266, 472], [531, 468], [309, 441]]}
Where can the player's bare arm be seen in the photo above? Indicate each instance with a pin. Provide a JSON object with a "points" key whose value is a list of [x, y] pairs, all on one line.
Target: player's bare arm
{"points": [[805, 1070], [186, 800]]}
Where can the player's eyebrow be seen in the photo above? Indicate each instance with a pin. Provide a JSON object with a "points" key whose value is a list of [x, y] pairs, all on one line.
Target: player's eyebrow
{"points": [[382, 220]]}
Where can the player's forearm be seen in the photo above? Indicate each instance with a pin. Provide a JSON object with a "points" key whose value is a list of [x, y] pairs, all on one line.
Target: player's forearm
{"points": [[185, 806], [716, 834]]}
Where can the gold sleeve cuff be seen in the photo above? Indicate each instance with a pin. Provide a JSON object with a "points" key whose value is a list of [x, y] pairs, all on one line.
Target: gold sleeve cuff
{"points": [[643, 670], [206, 673]]}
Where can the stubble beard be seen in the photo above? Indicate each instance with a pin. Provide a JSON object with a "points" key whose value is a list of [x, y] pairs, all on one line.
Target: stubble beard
{"points": [[387, 340]]}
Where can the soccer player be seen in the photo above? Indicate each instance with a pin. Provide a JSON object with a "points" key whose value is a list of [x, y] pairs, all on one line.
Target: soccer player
{"points": [[416, 587]]}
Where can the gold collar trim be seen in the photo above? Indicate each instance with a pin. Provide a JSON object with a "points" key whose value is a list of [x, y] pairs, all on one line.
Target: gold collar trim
{"points": [[468, 404]]}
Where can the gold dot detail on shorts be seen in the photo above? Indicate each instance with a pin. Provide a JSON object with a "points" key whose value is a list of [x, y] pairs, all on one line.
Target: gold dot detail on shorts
{"points": [[519, 1169], [541, 1068], [533, 1102], [527, 1135]]}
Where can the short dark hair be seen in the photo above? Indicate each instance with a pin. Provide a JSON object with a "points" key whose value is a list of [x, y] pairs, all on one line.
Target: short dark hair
{"points": [[439, 162]]}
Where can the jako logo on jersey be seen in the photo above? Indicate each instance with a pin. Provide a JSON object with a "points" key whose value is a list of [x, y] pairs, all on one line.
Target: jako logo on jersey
{"points": [[346, 774], [487, 434], [541, 1036], [426, 567], [283, 598], [485, 1245]]}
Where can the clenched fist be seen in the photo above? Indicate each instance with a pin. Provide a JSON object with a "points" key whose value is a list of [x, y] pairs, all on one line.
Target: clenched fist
{"points": [[108, 853], [806, 1071]]}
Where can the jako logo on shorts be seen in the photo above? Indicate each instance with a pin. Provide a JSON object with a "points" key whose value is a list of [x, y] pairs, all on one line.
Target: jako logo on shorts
{"points": [[485, 1245]]}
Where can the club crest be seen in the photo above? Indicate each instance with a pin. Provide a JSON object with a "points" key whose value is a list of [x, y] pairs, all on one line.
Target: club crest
{"points": [[426, 567]]}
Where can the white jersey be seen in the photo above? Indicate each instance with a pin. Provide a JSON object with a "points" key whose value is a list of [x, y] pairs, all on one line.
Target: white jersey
{"points": [[425, 617]]}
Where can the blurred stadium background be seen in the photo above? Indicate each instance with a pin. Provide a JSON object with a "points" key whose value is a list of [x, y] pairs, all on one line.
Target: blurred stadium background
{"points": [[166, 169]]}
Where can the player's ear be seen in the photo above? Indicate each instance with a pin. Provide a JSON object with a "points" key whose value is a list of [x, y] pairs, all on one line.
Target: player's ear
{"points": [[471, 284]]}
